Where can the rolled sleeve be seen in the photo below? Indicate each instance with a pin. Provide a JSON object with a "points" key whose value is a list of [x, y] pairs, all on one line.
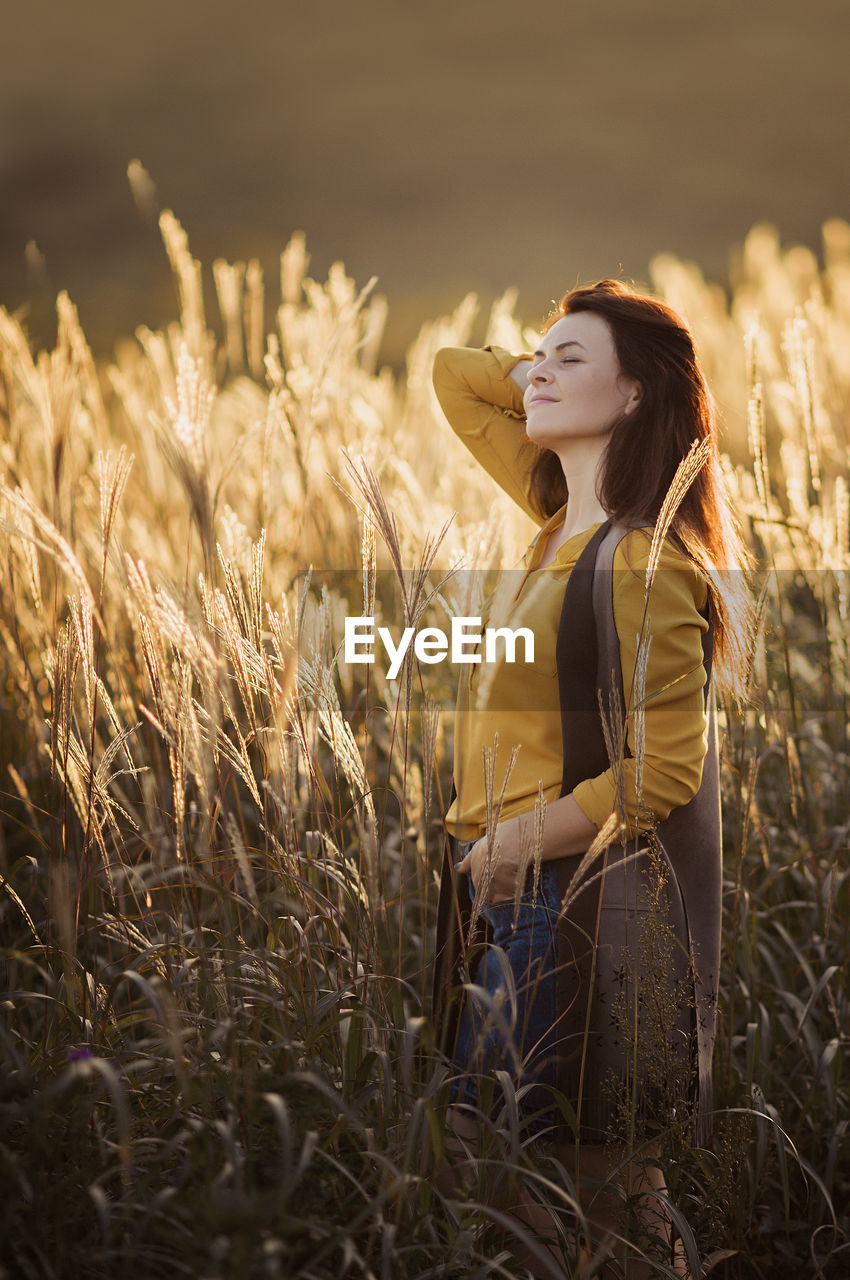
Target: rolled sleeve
{"points": [[484, 407], [676, 723]]}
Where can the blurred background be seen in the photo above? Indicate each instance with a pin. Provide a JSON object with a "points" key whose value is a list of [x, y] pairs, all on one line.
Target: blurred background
{"points": [[446, 146]]}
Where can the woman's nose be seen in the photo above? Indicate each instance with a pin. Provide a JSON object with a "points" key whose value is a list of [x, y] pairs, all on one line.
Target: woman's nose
{"points": [[540, 373]]}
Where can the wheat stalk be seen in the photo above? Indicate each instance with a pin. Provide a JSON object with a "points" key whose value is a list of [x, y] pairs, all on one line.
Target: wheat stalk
{"points": [[492, 809]]}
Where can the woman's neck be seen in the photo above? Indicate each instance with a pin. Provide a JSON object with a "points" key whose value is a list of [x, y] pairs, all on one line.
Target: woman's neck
{"points": [[581, 464]]}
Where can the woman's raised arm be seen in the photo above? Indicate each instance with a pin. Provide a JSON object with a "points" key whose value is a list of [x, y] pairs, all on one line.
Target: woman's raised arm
{"points": [[480, 392]]}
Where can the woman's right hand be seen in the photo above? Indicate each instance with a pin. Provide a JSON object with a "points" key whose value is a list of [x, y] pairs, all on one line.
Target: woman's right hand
{"points": [[500, 876], [519, 373]]}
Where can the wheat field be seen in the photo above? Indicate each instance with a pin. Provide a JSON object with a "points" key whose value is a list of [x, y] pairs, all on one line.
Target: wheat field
{"points": [[220, 843]]}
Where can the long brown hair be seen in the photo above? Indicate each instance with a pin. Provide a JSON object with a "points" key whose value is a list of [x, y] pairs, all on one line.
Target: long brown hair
{"points": [[655, 348]]}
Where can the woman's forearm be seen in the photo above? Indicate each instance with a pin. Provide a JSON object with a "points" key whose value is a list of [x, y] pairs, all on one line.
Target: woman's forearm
{"points": [[484, 405], [566, 831]]}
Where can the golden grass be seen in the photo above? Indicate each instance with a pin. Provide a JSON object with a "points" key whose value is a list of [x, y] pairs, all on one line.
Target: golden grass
{"points": [[219, 840]]}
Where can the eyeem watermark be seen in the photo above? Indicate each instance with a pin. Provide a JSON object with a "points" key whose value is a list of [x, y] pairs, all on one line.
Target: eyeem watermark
{"points": [[431, 644]]}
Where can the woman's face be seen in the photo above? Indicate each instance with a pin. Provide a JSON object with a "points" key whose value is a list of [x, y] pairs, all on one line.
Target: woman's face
{"points": [[575, 387]]}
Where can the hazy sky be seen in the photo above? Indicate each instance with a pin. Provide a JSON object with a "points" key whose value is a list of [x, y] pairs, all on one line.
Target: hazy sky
{"points": [[442, 146]]}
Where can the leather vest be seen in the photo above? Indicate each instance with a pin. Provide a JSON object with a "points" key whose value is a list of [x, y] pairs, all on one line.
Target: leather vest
{"points": [[589, 672]]}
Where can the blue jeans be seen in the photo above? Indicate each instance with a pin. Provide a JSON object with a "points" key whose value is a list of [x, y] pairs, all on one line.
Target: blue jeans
{"points": [[508, 1017]]}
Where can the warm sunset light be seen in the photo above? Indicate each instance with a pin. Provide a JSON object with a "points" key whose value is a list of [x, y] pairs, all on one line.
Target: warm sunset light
{"points": [[424, 617]]}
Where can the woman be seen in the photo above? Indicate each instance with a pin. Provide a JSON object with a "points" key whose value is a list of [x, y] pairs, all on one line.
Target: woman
{"points": [[613, 399]]}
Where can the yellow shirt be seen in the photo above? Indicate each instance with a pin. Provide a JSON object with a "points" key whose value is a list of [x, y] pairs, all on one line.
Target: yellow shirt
{"points": [[518, 702]]}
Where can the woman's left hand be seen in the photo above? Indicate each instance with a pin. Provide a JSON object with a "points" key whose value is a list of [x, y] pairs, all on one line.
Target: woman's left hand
{"points": [[504, 864]]}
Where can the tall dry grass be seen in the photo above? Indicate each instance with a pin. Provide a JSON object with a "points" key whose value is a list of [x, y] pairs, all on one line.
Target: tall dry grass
{"points": [[220, 843]]}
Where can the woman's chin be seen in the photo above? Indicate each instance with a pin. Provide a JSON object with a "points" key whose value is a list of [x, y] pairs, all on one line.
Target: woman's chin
{"points": [[542, 438]]}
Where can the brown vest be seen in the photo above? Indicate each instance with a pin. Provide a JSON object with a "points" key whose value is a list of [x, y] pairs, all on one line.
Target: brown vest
{"points": [[588, 661]]}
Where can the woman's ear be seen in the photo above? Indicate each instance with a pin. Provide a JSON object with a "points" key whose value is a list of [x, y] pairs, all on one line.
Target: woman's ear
{"points": [[634, 397]]}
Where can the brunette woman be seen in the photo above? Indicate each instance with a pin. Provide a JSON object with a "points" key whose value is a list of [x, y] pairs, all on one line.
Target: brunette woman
{"points": [[587, 435]]}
